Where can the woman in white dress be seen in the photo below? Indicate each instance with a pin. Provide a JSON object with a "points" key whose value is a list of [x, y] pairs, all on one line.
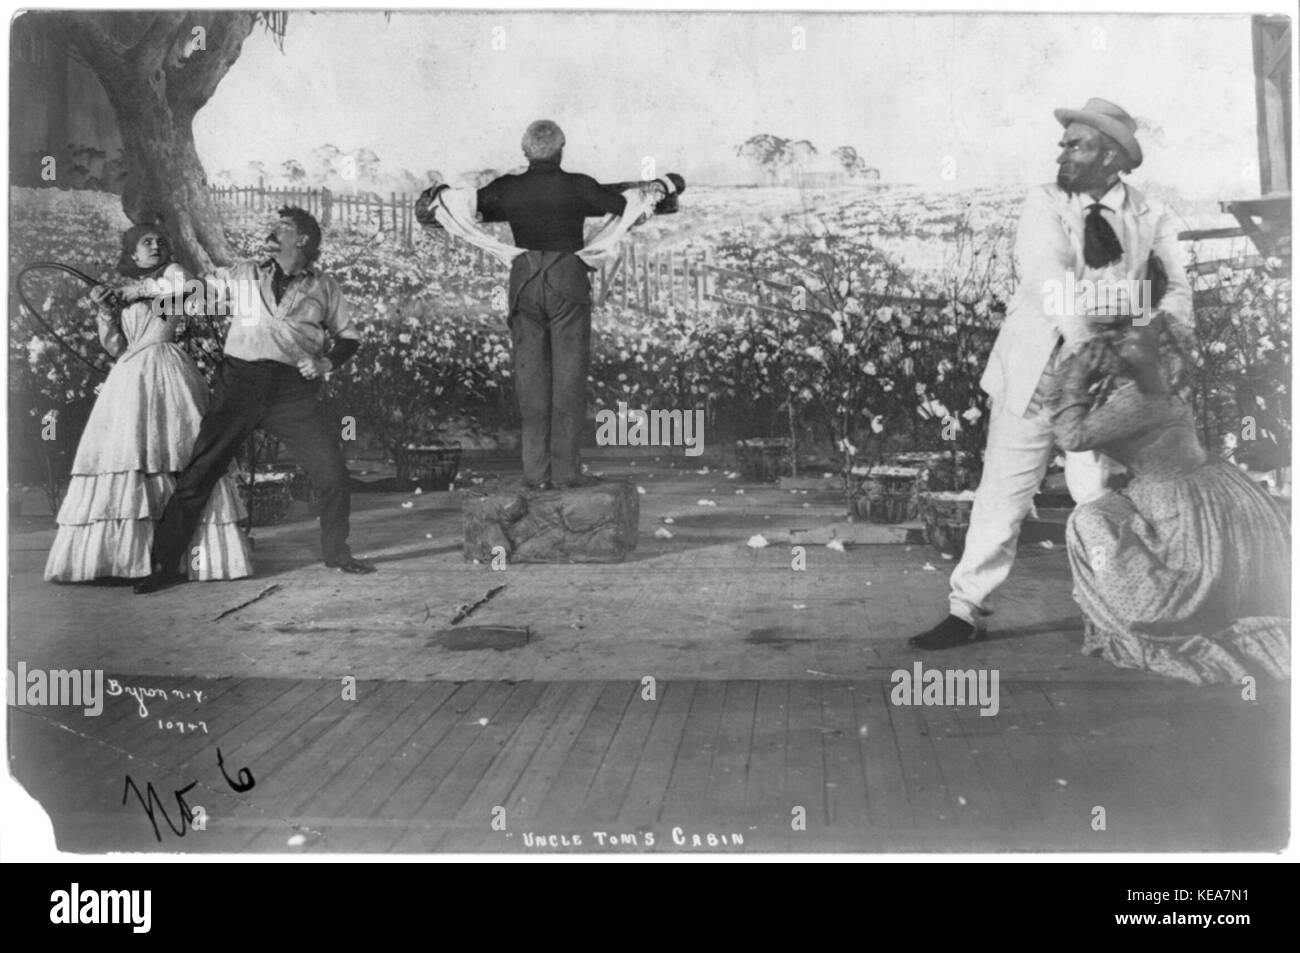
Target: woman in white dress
{"points": [[139, 436]]}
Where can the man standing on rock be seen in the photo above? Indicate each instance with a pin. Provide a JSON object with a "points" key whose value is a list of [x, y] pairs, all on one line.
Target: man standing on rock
{"points": [[1079, 239], [549, 300]]}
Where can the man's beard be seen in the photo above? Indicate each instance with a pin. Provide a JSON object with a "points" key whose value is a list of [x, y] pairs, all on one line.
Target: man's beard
{"points": [[1066, 184]]}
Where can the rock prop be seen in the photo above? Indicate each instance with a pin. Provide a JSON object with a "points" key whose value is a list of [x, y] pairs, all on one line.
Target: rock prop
{"points": [[591, 524]]}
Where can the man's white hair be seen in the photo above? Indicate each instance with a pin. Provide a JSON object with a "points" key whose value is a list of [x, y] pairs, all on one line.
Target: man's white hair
{"points": [[543, 140]]}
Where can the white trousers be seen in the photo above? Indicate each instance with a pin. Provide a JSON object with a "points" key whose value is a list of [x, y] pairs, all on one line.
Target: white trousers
{"points": [[1016, 459]]}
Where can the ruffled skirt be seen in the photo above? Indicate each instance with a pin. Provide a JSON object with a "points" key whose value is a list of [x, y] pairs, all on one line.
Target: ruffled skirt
{"points": [[1188, 577], [137, 439]]}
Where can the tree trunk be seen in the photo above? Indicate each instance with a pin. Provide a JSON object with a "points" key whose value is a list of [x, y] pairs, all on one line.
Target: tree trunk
{"points": [[158, 69]]}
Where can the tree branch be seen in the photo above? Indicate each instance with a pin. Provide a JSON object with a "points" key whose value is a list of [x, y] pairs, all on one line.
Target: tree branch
{"points": [[192, 84], [156, 40], [89, 35]]}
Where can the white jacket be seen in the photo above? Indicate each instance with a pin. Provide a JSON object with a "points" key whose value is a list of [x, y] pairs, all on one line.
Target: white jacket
{"points": [[1049, 259]]}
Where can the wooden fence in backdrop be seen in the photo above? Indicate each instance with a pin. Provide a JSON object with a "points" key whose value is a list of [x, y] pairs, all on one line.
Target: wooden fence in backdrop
{"points": [[393, 216]]}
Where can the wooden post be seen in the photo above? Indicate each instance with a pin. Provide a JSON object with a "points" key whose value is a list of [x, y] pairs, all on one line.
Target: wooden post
{"points": [[699, 286], [645, 281], [326, 207], [627, 270], [1271, 37], [710, 288], [634, 272]]}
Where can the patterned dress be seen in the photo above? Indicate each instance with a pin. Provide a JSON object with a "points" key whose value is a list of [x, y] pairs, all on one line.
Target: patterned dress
{"points": [[1187, 571], [137, 438]]}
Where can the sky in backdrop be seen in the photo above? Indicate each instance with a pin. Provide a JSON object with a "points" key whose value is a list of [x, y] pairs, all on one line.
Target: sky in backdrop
{"points": [[915, 94]]}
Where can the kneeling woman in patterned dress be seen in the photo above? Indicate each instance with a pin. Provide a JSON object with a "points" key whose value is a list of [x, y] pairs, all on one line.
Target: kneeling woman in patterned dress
{"points": [[1187, 571]]}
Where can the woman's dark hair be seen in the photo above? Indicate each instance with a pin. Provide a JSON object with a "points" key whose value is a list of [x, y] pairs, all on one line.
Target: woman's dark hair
{"points": [[306, 223], [126, 265], [1167, 346]]}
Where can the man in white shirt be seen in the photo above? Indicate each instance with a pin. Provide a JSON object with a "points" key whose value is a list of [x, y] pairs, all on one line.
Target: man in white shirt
{"points": [[1084, 247], [283, 310]]}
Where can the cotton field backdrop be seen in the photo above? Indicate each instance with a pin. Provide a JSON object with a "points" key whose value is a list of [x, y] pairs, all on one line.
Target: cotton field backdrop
{"points": [[860, 369]]}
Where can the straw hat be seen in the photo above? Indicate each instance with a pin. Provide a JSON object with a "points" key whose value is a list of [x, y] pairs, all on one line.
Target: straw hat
{"points": [[1110, 119]]}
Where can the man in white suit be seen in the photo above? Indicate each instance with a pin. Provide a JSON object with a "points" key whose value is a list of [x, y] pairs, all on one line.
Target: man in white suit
{"points": [[1084, 251]]}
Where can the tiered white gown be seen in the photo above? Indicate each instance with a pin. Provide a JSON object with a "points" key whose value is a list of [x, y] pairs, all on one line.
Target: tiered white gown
{"points": [[137, 440]]}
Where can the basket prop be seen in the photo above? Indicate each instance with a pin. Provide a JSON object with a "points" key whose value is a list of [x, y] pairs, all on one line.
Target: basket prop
{"points": [[268, 497], [764, 459], [433, 467], [885, 494], [946, 516]]}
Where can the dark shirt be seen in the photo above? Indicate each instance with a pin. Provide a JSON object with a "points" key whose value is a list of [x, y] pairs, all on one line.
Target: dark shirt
{"points": [[546, 206]]}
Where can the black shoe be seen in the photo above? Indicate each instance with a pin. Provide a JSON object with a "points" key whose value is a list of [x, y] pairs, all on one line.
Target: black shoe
{"points": [[350, 565], [581, 481], [949, 633], [158, 580]]}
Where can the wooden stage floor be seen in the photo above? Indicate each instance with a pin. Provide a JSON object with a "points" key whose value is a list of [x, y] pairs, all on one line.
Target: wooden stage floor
{"points": [[594, 766]]}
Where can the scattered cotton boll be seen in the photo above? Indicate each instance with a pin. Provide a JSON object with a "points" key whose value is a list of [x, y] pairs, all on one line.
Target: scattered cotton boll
{"points": [[418, 491], [868, 582], [806, 505], [705, 503], [732, 476], [757, 541], [476, 480], [1047, 544], [800, 605], [662, 533], [961, 800], [740, 492], [482, 722], [297, 840], [929, 568], [863, 731], [836, 544], [827, 476], [945, 555], [803, 492], [702, 470], [668, 519], [428, 536], [407, 505], [641, 490], [1062, 782]]}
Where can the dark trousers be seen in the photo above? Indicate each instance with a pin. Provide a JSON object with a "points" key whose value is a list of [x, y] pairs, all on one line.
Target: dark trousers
{"points": [[276, 397], [550, 329]]}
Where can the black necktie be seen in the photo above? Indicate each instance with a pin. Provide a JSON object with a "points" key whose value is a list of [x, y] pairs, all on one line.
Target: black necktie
{"points": [[1100, 246]]}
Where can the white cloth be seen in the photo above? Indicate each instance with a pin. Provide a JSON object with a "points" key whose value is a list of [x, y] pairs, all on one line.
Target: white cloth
{"points": [[1049, 256], [456, 211]]}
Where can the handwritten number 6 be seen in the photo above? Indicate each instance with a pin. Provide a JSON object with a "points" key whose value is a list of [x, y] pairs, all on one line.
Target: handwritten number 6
{"points": [[245, 776]]}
